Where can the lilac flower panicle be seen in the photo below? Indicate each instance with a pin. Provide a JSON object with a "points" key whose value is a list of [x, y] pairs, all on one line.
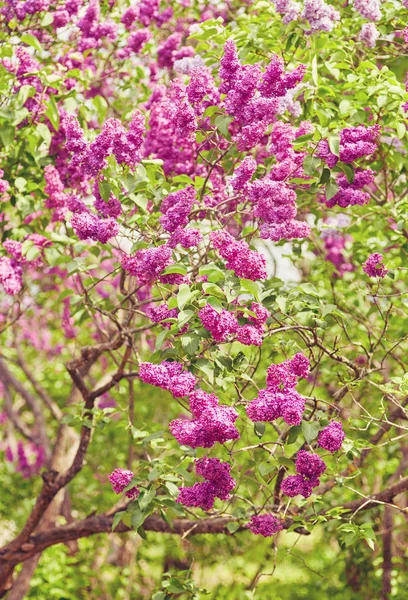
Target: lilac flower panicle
{"points": [[309, 465], [266, 525], [148, 263], [374, 266], [169, 376], [120, 479], [218, 485], [331, 437], [369, 34], [368, 9]]}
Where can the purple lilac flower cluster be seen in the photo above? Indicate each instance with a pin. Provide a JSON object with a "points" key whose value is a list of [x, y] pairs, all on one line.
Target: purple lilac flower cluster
{"points": [[245, 263], [218, 485], [374, 266], [211, 422], [280, 399], [309, 467], [369, 9], [331, 437], [334, 244], [321, 16], [30, 458], [266, 525], [168, 376], [252, 97], [120, 479], [224, 325], [275, 204], [147, 264], [355, 143], [158, 314], [114, 139], [175, 209], [369, 34], [352, 194]]}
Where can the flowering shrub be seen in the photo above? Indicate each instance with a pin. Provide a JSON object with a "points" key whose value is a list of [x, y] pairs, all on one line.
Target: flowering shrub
{"points": [[203, 308]]}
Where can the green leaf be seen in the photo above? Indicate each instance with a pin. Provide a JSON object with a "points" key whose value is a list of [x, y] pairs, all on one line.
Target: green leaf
{"points": [[253, 287], [222, 123], [104, 189], [161, 338], [7, 133], [334, 143], [117, 518], [184, 295], [259, 429], [310, 430], [331, 190], [183, 317], [137, 519], [52, 112], [32, 41], [146, 498], [232, 526], [190, 343]]}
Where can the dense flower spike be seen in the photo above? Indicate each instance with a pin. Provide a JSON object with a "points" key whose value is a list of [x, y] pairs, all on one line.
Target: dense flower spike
{"points": [[352, 194], [369, 34], [120, 479], [355, 143], [309, 467], [148, 263], [280, 399], [211, 423], [266, 525], [169, 376], [245, 263], [218, 485], [176, 207], [374, 267], [331, 437]]}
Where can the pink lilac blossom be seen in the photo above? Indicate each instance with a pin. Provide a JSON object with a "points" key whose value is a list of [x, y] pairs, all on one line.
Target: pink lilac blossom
{"points": [[138, 39], [352, 194], [211, 423], [243, 174], [369, 9], [331, 437], [176, 207], [158, 314], [4, 186], [275, 204], [220, 324], [334, 244], [110, 208], [321, 16], [374, 266], [183, 113], [309, 467], [289, 9], [369, 34], [30, 458], [266, 525], [246, 263], [201, 85], [219, 484], [88, 226], [148, 263], [280, 399], [355, 143], [120, 479], [187, 238], [10, 275], [168, 376], [295, 485]]}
